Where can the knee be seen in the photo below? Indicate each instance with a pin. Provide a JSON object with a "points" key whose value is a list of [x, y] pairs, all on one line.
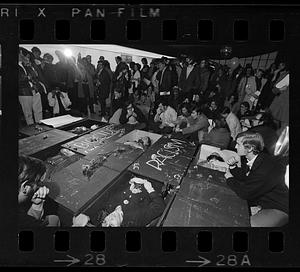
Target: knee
{"points": [[53, 221]]}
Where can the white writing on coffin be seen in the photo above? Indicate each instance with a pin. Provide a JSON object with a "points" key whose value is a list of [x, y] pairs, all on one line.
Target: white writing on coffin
{"points": [[167, 152]]}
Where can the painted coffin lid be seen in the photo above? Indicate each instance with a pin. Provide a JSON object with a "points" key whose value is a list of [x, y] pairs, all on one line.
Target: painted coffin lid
{"points": [[71, 189], [166, 161], [89, 142], [119, 156]]}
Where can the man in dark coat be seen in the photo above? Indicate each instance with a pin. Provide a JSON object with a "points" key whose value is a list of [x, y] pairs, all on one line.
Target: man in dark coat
{"points": [[189, 81], [261, 181], [165, 82], [103, 86]]}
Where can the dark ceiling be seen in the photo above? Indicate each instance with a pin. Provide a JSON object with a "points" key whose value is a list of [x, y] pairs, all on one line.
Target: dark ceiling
{"points": [[211, 51]]}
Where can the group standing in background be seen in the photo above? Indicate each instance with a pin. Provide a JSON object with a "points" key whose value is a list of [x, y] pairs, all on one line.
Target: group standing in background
{"points": [[76, 86]]}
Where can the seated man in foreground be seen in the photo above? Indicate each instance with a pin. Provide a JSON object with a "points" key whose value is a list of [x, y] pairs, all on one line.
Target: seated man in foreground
{"points": [[258, 178]]}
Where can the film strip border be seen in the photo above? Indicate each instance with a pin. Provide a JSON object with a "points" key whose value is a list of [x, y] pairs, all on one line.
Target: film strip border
{"points": [[155, 247], [183, 25], [148, 23]]}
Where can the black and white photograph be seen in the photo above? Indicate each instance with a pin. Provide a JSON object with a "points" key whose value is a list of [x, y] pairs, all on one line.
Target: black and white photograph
{"points": [[125, 136]]}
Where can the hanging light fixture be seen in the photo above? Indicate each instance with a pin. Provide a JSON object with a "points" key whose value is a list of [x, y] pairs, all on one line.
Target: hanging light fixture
{"points": [[226, 51]]}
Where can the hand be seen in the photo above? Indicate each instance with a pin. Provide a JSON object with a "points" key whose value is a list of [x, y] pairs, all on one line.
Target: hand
{"points": [[39, 195], [228, 174], [161, 126], [80, 220], [177, 129], [148, 187], [232, 161]]}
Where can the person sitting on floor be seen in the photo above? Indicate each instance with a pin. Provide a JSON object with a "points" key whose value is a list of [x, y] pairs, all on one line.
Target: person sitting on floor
{"points": [[132, 115], [165, 118], [184, 113], [141, 143], [219, 136], [197, 126], [260, 179], [244, 110]]}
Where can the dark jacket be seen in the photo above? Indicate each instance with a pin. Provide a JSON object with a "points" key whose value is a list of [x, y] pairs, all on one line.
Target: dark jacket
{"points": [[24, 86], [140, 116], [264, 186], [191, 83], [27, 221], [62, 75], [147, 211], [219, 137], [166, 83], [104, 87], [49, 71]]}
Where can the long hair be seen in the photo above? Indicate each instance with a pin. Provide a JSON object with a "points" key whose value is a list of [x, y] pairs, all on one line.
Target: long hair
{"points": [[30, 170]]}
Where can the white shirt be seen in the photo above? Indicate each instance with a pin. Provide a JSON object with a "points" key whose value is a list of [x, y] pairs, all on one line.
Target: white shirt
{"points": [[168, 117], [250, 163], [234, 125], [189, 69]]}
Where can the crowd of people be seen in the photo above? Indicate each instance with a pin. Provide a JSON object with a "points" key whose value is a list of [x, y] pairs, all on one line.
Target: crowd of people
{"points": [[200, 100], [165, 91]]}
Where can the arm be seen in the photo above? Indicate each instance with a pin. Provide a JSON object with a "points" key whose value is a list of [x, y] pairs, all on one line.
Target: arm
{"points": [[140, 116], [171, 118], [36, 211], [201, 123], [258, 183], [66, 100], [157, 117], [51, 99]]}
